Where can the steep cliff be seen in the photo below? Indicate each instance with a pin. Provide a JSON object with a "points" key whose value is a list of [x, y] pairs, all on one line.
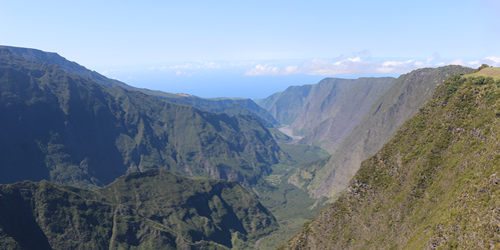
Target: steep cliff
{"points": [[435, 185], [71, 130], [325, 113], [377, 127]]}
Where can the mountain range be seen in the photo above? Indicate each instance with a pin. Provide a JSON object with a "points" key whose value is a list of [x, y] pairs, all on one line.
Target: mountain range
{"points": [[325, 113], [207, 104], [428, 137], [379, 124], [72, 130], [434, 185]]}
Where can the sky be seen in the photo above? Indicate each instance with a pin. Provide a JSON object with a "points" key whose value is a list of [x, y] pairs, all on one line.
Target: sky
{"points": [[255, 48]]}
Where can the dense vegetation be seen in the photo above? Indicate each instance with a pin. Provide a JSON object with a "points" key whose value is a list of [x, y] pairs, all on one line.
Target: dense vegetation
{"points": [[154, 209], [435, 185], [71, 130]]}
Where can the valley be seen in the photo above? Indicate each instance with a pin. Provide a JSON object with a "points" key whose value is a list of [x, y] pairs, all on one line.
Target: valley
{"points": [[94, 162]]}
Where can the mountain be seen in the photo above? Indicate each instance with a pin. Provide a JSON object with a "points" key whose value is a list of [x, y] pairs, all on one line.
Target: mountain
{"points": [[210, 104], [325, 113], [154, 209], [378, 126], [434, 185], [230, 106], [71, 130]]}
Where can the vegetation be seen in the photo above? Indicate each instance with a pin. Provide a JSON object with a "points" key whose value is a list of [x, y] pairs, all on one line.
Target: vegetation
{"points": [[216, 105], [84, 134], [291, 205], [379, 125], [154, 209], [433, 186]]}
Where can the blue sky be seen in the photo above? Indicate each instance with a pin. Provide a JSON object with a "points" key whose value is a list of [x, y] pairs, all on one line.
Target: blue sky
{"points": [[255, 48]]}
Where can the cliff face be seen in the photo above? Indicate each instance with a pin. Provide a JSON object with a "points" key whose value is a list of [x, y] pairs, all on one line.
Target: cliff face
{"points": [[72, 130], [325, 113], [150, 210], [377, 127], [434, 185], [339, 114]]}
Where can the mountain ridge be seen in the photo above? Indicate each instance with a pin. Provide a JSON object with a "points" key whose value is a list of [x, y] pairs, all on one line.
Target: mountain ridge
{"points": [[384, 117], [326, 112], [207, 104], [86, 134], [434, 185]]}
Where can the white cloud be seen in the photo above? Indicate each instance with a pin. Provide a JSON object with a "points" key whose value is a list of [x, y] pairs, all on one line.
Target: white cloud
{"points": [[196, 65], [343, 65], [493, 58], [264, 70], [349, 66], [183, 73]]}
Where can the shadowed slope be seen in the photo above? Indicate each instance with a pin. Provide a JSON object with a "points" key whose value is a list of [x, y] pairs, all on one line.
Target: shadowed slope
{"points": [[150, 210], [71, 130], [210, 104]]}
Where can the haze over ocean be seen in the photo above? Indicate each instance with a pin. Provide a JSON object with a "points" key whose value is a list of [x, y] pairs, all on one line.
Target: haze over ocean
{"points": [[235, 47]]}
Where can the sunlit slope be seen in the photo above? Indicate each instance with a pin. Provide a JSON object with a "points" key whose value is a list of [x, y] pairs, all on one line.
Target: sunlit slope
{"points": [[378, 126], [434, 185], [154, 209]]}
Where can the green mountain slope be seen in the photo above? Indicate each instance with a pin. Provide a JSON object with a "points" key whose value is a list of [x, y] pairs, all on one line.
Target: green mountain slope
{"points": [[325, 113], [433, 186], [210, 104], [154, 209], [71, 130], [378, 126]]}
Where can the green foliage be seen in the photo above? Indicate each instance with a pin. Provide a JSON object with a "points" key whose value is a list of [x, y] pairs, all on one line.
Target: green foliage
{"points": [[404, 99], [85, 134], [154, 209], [434, 185], [304, 153], [292, 207]]}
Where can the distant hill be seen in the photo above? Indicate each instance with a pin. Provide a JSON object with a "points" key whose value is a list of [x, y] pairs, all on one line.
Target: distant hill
{"points": [[434, 185], [71, 130], [208, 104], [154, 209], [327, 112], [378, 126]]}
